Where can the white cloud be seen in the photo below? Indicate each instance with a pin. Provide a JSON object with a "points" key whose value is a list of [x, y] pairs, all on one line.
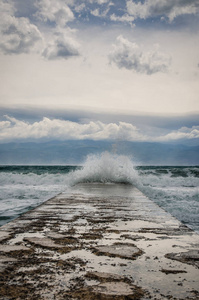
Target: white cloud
{"points": [[182, 133], [55, 11], [129, 56], [4, 124], [6, 8], [97, 13], [60, 129], [61, 42], [125, 18], [62, 45], [14, 129], [166, 8], [79, 8], [17, 35], [100, 2]]}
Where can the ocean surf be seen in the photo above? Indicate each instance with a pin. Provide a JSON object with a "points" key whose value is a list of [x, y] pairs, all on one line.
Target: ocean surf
{"points": [[174, 188]]}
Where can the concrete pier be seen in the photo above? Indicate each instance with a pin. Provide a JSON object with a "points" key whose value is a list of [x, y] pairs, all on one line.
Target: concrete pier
{"points": [[98, 241]]}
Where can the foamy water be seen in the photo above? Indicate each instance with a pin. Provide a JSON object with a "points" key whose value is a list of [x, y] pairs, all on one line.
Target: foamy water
{"points": [[106, 167], [176, 189]]}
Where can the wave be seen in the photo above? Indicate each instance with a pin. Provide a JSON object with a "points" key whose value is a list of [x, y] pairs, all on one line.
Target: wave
{"points": [[173, 188], [105, 168], [176, 189]]}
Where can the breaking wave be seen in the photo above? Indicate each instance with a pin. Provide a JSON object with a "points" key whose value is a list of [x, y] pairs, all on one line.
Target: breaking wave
{"points": [[175, 188], [106, 168]]}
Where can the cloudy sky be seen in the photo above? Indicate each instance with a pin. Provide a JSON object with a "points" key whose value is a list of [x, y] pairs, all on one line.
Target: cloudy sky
{"points": [[99, 69]]}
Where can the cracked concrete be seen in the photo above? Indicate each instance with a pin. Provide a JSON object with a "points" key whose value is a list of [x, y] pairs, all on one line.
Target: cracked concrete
{"points": [[98, 241]]}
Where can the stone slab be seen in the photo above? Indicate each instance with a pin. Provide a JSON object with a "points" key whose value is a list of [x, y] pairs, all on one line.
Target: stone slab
{"points": [[98, 241]]}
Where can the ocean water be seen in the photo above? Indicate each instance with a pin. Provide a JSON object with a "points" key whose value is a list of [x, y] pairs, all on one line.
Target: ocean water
{"points": [[176, 189]]}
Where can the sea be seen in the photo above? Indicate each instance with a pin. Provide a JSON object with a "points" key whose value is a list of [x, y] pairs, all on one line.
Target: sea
{"points": [[174, 188]]}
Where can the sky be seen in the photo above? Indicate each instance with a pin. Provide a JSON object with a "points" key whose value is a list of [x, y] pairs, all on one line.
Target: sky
{"points": [[100, 70]]}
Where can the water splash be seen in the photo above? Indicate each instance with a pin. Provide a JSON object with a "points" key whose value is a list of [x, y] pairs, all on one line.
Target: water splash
{"points": [[106, 167]]}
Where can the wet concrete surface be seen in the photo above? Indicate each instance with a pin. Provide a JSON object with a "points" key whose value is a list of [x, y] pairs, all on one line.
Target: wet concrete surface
{"points": [[98, 242]]}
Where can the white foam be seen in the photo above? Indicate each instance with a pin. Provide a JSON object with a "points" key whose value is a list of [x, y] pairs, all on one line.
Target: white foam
{"points": [[175, 189], [105, 168]]}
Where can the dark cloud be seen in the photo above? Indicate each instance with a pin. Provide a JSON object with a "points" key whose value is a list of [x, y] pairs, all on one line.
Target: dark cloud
{"points": [[129, 56]]}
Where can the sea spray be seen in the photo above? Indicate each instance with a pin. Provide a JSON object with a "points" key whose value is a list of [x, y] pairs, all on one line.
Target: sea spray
{"points": [[106, 167], [176, 189]]}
